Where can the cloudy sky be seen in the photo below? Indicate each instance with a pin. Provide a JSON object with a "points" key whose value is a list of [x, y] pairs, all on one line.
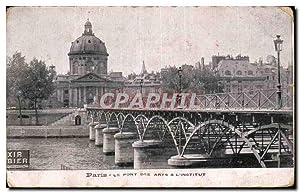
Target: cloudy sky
{"points": [[158, 35]]}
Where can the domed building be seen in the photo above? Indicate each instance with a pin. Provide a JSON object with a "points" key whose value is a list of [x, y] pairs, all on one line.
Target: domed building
{"points": [[88, 54], [87, 79]]}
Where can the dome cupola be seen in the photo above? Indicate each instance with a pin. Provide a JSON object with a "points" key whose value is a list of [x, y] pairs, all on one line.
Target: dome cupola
{"points": [[88, 53], [88, 43]]}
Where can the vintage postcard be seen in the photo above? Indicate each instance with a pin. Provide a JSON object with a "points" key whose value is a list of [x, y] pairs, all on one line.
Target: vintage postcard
{"points": [[150, 97]]}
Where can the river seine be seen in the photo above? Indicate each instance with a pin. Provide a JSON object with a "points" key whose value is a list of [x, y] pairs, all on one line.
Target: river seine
{"points": [[82, 154], [70, 153]]}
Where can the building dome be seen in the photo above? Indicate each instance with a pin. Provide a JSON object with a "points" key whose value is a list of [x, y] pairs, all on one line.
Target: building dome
{"points": [[88, 43]]}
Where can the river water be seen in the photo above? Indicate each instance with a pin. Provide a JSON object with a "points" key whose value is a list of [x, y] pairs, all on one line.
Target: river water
{"points": [[82, 154], [73, 153]]}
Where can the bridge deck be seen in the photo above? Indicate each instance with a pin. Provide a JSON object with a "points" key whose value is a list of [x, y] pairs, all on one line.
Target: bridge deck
{"points": [[233, 111]]}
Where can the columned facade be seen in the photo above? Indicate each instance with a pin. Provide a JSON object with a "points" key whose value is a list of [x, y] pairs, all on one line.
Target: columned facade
{"points": [[87, 80]]}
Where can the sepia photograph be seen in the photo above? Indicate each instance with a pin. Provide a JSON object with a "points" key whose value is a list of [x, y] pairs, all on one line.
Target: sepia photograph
{"points": [[150, 96]]}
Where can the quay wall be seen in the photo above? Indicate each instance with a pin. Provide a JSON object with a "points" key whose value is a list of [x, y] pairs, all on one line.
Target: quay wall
{"points": [[46, 131]]}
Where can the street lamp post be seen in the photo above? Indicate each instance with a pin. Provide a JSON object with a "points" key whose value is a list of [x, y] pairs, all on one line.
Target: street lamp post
{"points": [[219, 84], [180, 88], [179, 96], [141, 85], [19, 93], [278, 48], [180, 75]]}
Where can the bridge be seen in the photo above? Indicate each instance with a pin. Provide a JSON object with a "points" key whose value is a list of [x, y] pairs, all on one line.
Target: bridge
{"points": [[225, 126]]}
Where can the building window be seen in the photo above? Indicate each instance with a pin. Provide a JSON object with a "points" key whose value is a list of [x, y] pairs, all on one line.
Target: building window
{"points": [[227, 72], [89, 41], [250, 72], [66, 91], [239, 72]]}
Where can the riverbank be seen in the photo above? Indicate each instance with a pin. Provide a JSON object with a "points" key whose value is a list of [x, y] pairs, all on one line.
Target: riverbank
{"points": [[45, 116], [46, 131]]}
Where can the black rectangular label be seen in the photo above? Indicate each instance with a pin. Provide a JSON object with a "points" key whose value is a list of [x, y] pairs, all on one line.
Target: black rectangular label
{"points": [[17, 158]]}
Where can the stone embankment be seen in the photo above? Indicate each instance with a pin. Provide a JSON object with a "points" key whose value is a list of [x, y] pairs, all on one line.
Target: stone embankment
{"points": [[46, 131]]}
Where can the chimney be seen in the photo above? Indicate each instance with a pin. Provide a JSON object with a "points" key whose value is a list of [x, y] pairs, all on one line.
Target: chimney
{"points": [[202, 61], [260, 61]]}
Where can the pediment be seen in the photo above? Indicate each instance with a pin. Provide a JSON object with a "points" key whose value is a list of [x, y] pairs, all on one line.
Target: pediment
{"points": [[91, 77]]}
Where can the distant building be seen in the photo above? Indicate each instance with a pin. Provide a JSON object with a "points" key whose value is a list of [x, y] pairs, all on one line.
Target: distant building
{"points": [[88, 79], [144, 82], [216, 59], [239, 75], [187, 68]]}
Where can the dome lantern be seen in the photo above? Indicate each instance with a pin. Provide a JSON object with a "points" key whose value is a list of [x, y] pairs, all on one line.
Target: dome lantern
{"points": [[88, 28]]}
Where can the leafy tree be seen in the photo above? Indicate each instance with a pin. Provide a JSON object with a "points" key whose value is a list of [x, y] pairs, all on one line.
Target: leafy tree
{"points": [[170, 80], [15, 69], [206, 80], [195, 80], [38, 83]]}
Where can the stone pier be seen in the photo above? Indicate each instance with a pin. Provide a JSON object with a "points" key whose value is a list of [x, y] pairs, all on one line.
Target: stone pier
{"points": [[92, 130], [188, 160], [143, 152], [123, 148], [99, 134], [109, 140]]}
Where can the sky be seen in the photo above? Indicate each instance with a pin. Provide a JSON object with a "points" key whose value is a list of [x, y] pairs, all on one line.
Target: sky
{"points": [[160, 36]]}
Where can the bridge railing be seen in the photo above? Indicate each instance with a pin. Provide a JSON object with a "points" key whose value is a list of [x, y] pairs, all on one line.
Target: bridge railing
{"points": [[256, 99]]}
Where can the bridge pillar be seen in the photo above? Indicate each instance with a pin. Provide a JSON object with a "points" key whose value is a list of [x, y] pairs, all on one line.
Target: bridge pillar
{"points": [[188, 160], [143, 151], [99, 134], [123, 148], [92, 130], [109, 140]]}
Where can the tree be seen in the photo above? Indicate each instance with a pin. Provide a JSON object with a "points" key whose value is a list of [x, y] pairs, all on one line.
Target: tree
{"points": [[15, 69], [37, 85], [195, 80], [206, 80], [170, 80]]}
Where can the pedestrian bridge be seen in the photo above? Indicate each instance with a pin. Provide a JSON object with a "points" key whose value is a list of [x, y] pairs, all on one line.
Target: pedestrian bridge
{"points": [[227, 125]]}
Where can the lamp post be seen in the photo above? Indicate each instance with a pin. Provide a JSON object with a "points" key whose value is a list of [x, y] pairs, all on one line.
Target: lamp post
{"points": [[278, 49], [19, 93], [179, 96], [180, 76], [219, 84], [141, 85], [180, 89]]}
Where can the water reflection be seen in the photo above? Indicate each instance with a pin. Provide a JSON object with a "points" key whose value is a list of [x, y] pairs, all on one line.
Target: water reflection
{"points": [[81, 154], [73, 153]]}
